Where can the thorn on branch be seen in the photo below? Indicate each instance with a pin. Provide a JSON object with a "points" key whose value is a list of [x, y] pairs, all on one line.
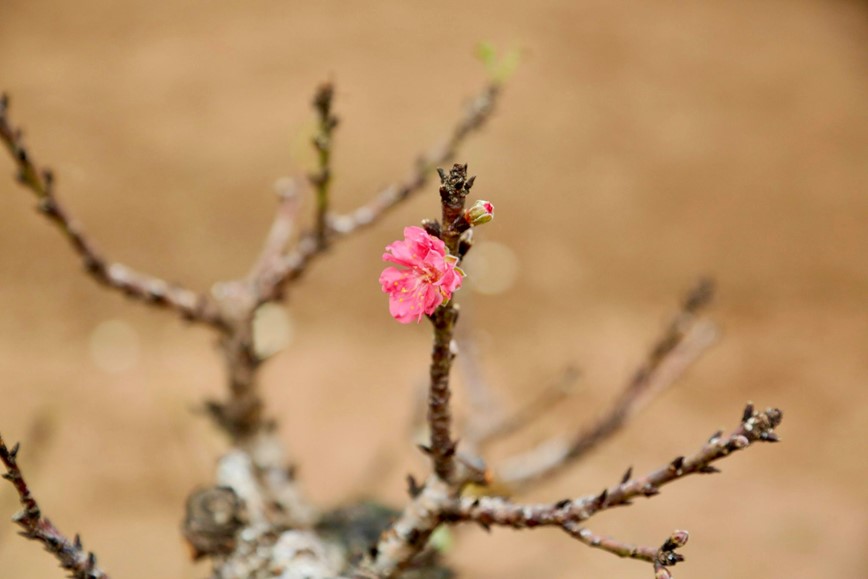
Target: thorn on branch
{"points": [[628, 474], [700, 296], [708, 469], [600, 502]]}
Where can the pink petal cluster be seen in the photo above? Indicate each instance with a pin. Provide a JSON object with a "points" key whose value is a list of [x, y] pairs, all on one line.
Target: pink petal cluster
{"points": [[429, 280]]}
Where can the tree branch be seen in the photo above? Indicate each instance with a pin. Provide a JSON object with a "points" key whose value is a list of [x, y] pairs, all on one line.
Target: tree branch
{"points": [[453, 191], [151, 290], [609, 544], [322, 142], [296, 262], [685, 339], [70, 554], [533, 410], [568, 514], [281, 231]]}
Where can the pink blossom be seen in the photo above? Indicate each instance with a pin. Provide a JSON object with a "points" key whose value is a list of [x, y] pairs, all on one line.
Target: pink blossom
{"points": [[429, 280]]}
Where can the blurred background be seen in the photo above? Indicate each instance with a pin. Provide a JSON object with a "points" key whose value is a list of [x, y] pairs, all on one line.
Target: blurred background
{"points": [[638, 146]]}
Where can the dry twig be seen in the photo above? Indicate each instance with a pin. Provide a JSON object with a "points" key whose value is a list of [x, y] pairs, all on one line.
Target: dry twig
{"points": [[685, 339], [322, 142], [152, 290], [70, 554], [484, 434], [296, 262], [568, 514]]}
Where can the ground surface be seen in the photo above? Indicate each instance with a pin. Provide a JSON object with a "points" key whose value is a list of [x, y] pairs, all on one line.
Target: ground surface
{"points": [[639, 145]]}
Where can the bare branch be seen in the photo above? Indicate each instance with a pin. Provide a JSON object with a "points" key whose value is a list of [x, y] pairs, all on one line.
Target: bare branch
{"points": [[610, 545], [483, 403], [568, 514], [685, 339], [151, 290], [453, 191], [410, 533], [70, 554], [281, 230], [662, 557], [322, 142], [297, 261], [535, 409], [242, 415]]}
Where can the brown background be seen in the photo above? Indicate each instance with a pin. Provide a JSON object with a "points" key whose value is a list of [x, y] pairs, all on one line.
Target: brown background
{"points": [[639, 145]]}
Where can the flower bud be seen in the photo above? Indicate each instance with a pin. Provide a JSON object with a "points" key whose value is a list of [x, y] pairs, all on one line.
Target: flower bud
{"points": [[479, 213], [679, 538]]}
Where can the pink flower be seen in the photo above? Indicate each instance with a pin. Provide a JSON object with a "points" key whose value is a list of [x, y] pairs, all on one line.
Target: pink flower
{"points": [[429, 280]]}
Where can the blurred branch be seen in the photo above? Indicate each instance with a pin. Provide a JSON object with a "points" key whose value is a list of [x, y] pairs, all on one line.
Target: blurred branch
{"points": [[296, 262], [151, 290], [685, 339], [567, 514], [609, 544], [281, 230], [242, 415], [322, 142], [527, 413], [409, 534], [483, 403], [70, 554]]}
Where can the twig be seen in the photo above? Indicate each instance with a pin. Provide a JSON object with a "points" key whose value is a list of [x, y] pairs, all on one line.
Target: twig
{"points": [[482, 401], [568, 514], [527, 413], [151, 290], [755, 427], [322, 142], [453, 191], [682, 343], [407, 536], [70, 554], [296, 262], [611, 545], [242, 415], [281, 231], [662, 557]]}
